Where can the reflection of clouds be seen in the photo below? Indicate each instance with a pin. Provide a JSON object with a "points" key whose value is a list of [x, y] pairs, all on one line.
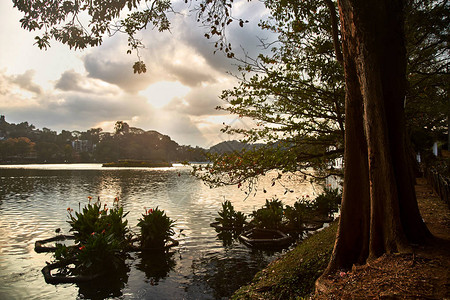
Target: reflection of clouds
{"points": [[109, 188], [35, 205]]}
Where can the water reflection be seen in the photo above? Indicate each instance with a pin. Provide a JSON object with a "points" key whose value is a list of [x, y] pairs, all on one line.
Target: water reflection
{"points": [[224, 273], [206, 265], [227, 237], [108, 286], [156, 265]]}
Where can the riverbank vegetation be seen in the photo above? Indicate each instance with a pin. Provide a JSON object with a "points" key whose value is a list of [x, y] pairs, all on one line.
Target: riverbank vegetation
{"points": [[304, 214], [23, 143], [294, 274], [409, 276]]}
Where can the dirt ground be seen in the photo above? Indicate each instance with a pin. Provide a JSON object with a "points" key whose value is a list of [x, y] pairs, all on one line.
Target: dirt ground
{"points": [[423, 274]]}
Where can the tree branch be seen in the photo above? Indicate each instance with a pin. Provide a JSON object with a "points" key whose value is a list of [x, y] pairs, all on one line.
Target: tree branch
{"points": [[335, 31]]}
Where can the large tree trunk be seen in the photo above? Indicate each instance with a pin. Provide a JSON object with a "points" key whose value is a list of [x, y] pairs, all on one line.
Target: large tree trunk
{"points": [[379, 211]]}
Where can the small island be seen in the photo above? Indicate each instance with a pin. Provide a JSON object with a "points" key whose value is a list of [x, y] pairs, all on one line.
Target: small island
{"points": [[130, 163]]}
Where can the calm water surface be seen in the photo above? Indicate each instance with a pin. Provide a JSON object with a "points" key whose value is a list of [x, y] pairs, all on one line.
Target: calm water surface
{"points": [[33, 203]]}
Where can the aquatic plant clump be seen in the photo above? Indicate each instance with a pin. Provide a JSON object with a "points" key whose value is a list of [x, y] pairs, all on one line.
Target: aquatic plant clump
{"points": [[304, 214], [299, 214], [97, 218], [102, 239], [270, 216], [156, 229], [101, 235], [328, 202], [230, 219]]}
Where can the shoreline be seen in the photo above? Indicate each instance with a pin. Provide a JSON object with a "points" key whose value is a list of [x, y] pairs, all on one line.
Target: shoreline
{"points": [[423, 274]]}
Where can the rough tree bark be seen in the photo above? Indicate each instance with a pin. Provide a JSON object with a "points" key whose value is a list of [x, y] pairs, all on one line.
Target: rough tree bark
{"points": [[379, 211]]}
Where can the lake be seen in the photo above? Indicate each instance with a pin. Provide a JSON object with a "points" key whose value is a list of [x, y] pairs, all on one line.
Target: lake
{"points": [[34, 201]]}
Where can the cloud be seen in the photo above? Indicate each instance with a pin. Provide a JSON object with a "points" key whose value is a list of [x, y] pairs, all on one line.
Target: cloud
{"points": [[119, 73], [75, 111], [25, 81], [76, 82], [180, 127], [98, 87], [182, 55], [74, 108], [65, 109], [189, 74], [191, 33], [201, 101], [70, 81], [169, 61]]}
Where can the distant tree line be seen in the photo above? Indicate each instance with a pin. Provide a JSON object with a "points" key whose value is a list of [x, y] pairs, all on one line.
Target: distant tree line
{"points": [[22, 143]]}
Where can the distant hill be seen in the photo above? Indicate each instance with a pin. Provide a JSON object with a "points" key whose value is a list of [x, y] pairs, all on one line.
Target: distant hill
{"points": [[20, 143], [231, 146], [23, 143]]}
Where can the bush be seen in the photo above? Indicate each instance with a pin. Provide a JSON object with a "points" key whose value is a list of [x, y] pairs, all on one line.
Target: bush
{"points": [[270, 216], [156, 228], [101, 233], [300, 213], [229, 218], [93, 219], [328, 202]]}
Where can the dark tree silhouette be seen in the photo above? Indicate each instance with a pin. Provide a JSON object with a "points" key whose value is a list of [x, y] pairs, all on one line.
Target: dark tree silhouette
{"points": [[379, 209]]}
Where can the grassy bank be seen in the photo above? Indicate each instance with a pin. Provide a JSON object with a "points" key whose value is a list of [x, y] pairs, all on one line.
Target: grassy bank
{"points": [[293, 275]]}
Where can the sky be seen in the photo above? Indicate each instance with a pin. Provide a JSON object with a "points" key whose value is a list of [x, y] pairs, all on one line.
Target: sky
{"points": [[65, 89]]}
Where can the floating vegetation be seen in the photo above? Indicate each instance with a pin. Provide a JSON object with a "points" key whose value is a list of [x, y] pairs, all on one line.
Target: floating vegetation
{"points": [[102, 240]]}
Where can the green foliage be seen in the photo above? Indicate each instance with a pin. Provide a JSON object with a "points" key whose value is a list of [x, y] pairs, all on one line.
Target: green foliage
{"points": [[270, 216], [293, 275], [240, 167], [23, 143], [294, 94], [62, 252], [21, 146], [427, 106], [101, 235], [95, 219], [300, 213], [227, 236], [100, 252], [156, 228], [229, 218], [59, 20], [273, 215], [328, 202]]}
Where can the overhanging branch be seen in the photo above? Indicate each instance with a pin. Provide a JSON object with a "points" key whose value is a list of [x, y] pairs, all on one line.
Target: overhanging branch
{"points": [[335, 31]]}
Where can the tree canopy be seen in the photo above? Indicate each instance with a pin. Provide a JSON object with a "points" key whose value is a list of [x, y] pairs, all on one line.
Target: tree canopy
{"points": [[24, 143], [295, 94], [428, 54]]}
